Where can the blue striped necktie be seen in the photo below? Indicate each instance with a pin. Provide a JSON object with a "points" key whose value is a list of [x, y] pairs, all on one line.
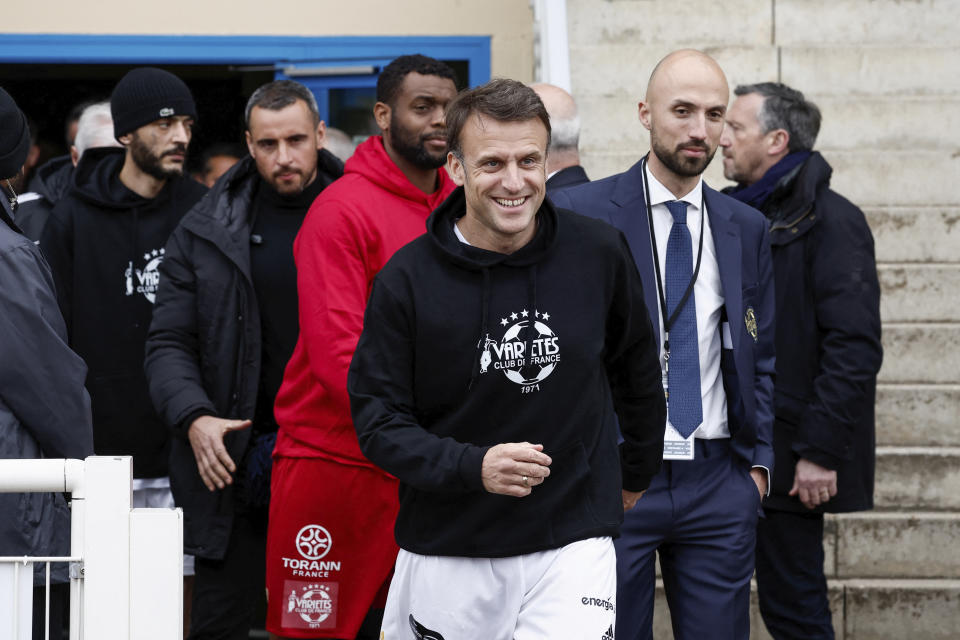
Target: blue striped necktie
{"points": [[683, 373]]}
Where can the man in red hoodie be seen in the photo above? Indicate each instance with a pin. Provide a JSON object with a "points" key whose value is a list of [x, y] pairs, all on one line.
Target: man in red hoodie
{"points": [[330, 543]]}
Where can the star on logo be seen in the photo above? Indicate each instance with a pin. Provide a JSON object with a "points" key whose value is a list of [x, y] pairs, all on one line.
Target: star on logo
{"points": [[503, 322], [536, 313], [524, 313], [146, 256], [545, 316], [514, 316]]}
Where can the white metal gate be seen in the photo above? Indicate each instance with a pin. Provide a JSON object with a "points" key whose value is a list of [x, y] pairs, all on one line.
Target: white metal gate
{"points": [[126, 565]]}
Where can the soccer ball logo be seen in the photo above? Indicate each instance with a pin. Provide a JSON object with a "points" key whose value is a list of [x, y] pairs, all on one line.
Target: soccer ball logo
{"points": [[535, 372], [525, 331], [313, 542]]}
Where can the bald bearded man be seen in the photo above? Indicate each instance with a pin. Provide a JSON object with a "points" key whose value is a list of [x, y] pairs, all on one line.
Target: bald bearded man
{"points": [[563, 155], [707, 276]]}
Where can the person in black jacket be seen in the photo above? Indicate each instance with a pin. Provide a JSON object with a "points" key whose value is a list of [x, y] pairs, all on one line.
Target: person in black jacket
{"points": [[52, 181], [493, 352], [104, 241], [828, 348], [44, 408], [223, 328]]}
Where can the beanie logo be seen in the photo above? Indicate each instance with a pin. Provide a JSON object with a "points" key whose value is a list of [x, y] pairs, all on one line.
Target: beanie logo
{"points": [[166, 112]]}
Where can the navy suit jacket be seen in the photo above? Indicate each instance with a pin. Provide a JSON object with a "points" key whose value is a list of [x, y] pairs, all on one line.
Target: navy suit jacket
{"points": [[740, 234], [565, 178]]}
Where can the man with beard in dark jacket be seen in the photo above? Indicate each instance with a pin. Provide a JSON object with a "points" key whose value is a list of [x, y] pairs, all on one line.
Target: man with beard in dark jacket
{"points": [[44, 408], [104, 242], [224, 326], [828, 348]]}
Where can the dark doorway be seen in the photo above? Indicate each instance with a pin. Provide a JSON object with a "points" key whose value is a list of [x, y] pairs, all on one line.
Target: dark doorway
{"points": [[48, 92]]}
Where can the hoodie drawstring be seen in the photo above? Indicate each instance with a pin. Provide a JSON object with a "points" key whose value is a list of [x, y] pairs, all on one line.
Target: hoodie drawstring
{"points": [[531, 328], [484, 327]]}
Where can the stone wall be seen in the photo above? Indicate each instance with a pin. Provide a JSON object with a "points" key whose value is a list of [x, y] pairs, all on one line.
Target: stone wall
{"points": [[886, 75]]}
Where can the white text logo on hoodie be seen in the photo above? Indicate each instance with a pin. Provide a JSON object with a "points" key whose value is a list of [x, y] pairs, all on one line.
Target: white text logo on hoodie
{"points": [[144, 280], [509, 354]]}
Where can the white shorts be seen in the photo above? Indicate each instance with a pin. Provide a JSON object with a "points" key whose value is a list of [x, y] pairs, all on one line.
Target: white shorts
{"points": [[566, 593], [154, 493]]}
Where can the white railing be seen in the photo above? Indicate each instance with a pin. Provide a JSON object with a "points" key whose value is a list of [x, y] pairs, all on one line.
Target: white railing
{"points": [[126, 580]]}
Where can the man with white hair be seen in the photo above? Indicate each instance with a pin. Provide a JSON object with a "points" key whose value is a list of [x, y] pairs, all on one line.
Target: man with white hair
{"points": [[53, 179], [563, 155]]}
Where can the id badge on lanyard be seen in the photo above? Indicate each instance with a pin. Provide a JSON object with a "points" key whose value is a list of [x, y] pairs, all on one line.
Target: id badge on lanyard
{"points": [[675, 446]]}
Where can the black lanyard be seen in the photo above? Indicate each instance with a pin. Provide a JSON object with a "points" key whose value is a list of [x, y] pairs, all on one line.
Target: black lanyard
{"points": [[668, 321]]}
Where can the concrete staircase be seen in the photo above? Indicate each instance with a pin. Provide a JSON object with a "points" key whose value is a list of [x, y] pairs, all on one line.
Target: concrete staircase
{"points": [[886, 75]]}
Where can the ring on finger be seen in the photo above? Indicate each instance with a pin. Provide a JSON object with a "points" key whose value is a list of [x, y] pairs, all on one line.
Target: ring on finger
{"points": [[526, 481]]}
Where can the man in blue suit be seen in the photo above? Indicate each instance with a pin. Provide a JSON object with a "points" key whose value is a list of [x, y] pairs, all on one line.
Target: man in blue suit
{"points": [[708, 282]]}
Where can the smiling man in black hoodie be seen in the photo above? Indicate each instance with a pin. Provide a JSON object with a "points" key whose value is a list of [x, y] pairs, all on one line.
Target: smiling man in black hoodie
{"points": [[494, 350], [104, 241]]}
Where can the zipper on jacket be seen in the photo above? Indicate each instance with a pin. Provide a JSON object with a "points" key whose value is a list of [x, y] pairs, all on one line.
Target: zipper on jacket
{"points": [[788, 225]]}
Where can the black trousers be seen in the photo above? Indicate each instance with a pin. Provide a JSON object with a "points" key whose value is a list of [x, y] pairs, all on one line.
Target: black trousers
{"points": [[228, 593], [790, 582], [59, 611]]}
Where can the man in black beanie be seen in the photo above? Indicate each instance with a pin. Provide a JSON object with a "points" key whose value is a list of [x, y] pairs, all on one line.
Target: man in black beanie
{"points": [[44, 408], [104, 241]]}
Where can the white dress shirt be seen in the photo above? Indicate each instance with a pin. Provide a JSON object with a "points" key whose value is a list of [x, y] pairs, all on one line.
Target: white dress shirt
{"points": [[708, 294]]}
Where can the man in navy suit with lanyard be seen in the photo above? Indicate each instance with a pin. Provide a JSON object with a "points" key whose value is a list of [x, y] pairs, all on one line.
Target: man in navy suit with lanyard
{"points": [[707, 276]]}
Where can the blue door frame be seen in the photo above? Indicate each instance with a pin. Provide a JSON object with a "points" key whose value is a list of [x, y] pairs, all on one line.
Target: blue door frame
{"points": [[281, 52]]}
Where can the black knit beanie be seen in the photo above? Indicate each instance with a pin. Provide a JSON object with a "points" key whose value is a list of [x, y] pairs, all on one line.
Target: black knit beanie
{"points": [[147, 94], [14, 137]]}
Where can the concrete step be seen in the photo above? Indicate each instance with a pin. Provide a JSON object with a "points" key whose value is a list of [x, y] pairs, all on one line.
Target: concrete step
{"points": [[632, 23], [887, 22], [879, 544], [925, 478], [863, 609], [918, 415], [919, 292], [897, 609], [894, 545], [871, 178], [887, 70], [920, 353], [915, 234], [888, 124]]}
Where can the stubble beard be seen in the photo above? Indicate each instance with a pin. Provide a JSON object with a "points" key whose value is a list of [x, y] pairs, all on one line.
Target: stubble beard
{"points": [[680, 165], [412, 148], [152, 164]]}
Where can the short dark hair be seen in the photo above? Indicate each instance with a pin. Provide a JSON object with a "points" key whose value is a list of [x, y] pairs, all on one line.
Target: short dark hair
{"points": [[786, 108], [501, 99], [279, 94], [229, 149], [391, 78]]}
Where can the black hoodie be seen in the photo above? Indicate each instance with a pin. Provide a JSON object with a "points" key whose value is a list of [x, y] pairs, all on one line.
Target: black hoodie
{"points": [[438, 378], [104, 244], [50, 183]]}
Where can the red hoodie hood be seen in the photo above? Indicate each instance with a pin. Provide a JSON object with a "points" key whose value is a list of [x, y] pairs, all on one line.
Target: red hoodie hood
{"points": [[371, 161]]}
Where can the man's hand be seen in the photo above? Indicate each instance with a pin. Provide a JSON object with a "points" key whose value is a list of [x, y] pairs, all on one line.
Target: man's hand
{"points": [[760, 478], [514, 468], [630, 498], [814, 484], [213, 462]]}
